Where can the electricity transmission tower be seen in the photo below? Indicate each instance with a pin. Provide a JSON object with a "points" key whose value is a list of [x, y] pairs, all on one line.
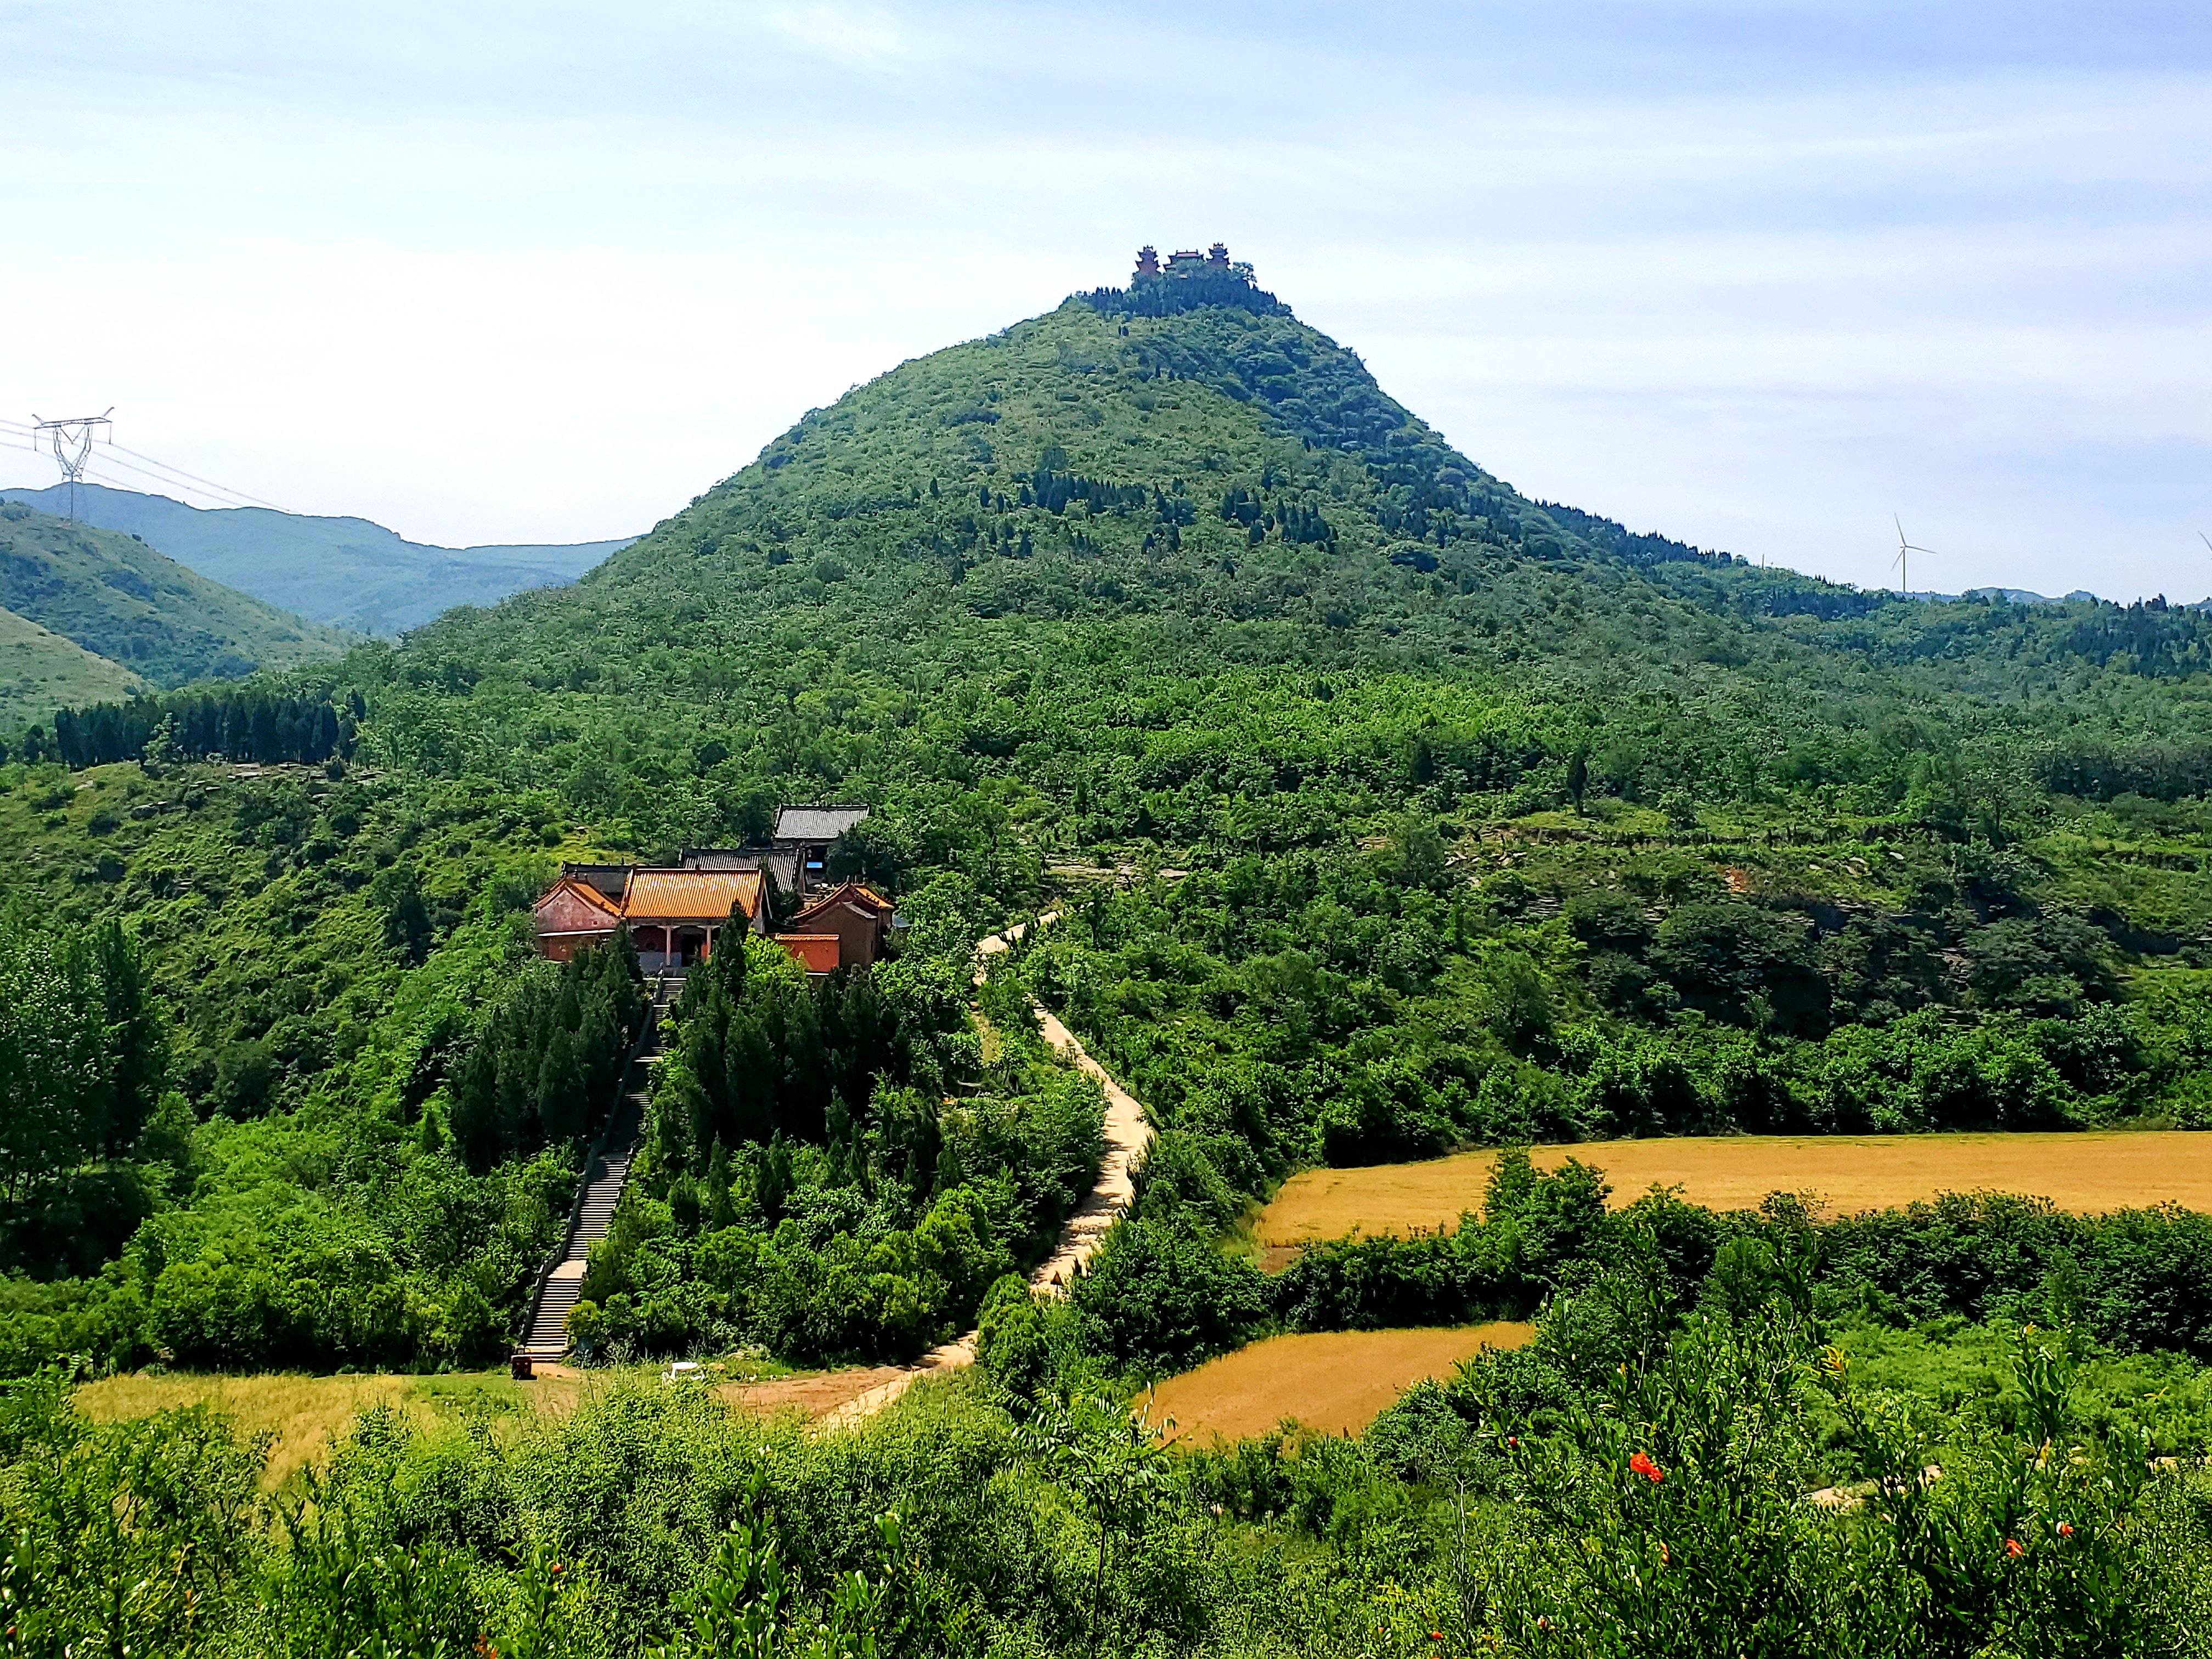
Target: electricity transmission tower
{"points": [[72, 441]]}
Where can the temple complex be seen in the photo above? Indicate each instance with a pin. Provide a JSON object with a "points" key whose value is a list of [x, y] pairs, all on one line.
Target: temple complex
{"points": [[675, 913]]}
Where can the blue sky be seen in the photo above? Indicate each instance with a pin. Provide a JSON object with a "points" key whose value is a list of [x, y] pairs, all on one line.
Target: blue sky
{"points": [[1756, 275]]}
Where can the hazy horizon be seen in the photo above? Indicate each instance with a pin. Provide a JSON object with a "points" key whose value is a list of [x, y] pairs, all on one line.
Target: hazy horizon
{"points": [[1757, 278]]}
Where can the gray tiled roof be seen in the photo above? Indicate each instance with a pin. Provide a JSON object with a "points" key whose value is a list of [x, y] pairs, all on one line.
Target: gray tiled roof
{"points": [[816, 823]]}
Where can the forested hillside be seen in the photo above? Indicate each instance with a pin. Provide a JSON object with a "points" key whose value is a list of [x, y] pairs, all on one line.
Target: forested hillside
{"points": [[1502, 822], [120, 599], [342, 571], [1388, 812]]}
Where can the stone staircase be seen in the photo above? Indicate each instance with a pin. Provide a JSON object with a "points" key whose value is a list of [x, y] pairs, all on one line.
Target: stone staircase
{"points": [[547, 1335]]}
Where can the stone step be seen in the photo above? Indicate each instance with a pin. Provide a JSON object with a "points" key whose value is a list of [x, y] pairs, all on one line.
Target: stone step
{"points": [[601, 1197]]}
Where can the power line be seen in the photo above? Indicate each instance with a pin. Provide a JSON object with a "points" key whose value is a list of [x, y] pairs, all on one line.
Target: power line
{"points": [[213, 492], [205, 484], [104, 461], [99, 462]]}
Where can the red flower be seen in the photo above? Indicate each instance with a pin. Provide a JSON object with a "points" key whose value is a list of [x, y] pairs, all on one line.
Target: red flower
{"points": [[1435, 1635], [2013, 1548], [1513, 1441], [1644, 1466], [2065, 1529]]}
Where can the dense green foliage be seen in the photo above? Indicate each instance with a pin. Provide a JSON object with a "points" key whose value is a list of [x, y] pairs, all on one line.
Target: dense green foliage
{"points": [[1503, 824], [810, 1185], [323, 959], [1637, 1481], [83, 1064], [248, 724], [1161, 1297], [543, 1070], [119, 599]]}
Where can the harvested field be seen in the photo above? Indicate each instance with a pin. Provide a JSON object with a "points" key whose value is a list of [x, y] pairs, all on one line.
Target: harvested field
{"points": [[303, 1412], [1331, 1382], [2084, 1173], [306, 1415]]}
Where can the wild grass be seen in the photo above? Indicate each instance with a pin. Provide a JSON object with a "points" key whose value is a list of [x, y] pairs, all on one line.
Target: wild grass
{"points": [[305, 1415]]}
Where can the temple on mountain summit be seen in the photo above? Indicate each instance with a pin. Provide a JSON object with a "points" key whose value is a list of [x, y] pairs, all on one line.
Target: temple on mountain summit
{"points": [[675, 913], [1187, 262]]}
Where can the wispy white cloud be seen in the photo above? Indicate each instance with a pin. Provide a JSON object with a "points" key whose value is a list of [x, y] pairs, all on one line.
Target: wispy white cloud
{"points": [[867, 36]]}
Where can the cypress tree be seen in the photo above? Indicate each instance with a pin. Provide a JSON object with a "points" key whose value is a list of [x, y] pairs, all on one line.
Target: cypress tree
{"points": [[137, 1047], [722, 1211]]}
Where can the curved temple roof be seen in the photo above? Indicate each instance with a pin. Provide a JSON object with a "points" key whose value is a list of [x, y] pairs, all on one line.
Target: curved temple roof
{"points": [[657, 896], [690, 895]]}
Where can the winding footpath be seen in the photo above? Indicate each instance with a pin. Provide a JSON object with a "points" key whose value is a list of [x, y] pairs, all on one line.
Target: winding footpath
{"points": [[1128, 1131]]}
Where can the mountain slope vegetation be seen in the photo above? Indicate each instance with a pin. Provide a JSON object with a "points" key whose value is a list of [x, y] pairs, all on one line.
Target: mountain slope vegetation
{"points": [[120, 599], [1387, 811], [1500, 822], [41, 670], [346, 572]]}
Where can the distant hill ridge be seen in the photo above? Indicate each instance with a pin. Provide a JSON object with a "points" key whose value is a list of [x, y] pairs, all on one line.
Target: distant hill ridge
{"points": [[349, 572], [158, 620]]}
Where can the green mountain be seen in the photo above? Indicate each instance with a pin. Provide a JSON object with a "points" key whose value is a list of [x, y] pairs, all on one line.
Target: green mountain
{"points": [[344, 571], [1188, 475], [118, 598], [1497, 823], [41, 672], [1387, 811]]}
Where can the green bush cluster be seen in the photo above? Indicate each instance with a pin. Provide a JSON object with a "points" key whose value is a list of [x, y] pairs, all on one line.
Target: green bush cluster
{"points": [[84, 1062], [1366, 1005], [243, 725], [1671, 1468], [782, 1217]]}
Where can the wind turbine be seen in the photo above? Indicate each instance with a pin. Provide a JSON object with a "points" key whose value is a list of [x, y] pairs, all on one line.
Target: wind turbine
{"points": [[1903, 547]]}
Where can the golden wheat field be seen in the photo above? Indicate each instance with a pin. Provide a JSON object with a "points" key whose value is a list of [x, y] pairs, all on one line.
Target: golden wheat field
{"points": [[2082, 1172], [1329, 1380]]}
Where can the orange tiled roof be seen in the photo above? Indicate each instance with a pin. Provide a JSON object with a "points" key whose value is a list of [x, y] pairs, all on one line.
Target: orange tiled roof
{"points": [[690, 895], [582, 891], [846, 892], [815, 952]]}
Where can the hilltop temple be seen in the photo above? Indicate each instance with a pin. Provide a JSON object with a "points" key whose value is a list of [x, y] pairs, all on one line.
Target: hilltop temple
{"points": [[1187, 262]]}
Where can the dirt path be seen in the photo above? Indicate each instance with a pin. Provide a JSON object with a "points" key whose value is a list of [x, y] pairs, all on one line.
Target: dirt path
{"points": [[1128, 1133], [817, 1394]]}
